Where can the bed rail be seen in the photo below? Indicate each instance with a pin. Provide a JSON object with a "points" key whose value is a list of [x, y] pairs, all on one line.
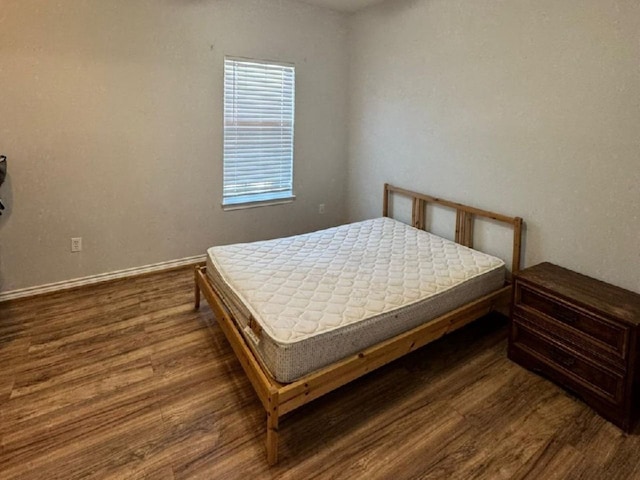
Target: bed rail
{"points": [[464, 219]]}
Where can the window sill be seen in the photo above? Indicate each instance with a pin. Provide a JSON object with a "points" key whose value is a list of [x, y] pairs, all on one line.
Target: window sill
{"points": [[264, 203]]}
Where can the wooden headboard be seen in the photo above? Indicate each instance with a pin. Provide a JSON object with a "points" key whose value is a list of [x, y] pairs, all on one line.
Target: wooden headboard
{"points": [[464, 219]]}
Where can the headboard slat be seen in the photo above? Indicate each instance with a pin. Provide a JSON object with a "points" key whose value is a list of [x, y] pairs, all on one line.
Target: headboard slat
{"points": [[464, 228]]}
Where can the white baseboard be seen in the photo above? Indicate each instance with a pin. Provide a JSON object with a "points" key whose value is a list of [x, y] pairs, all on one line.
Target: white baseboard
{"points": [[102, 277]]}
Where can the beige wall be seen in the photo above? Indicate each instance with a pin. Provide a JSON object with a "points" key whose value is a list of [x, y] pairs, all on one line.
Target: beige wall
{"points": [[530, 108], [110, 114], [111, 117]]}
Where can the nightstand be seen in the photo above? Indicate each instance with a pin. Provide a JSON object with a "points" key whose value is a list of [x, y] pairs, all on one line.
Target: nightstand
{"points": [[582, 334]]}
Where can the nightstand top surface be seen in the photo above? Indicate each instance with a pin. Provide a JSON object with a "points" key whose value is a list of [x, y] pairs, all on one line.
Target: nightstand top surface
{"points": [[592, 293]]}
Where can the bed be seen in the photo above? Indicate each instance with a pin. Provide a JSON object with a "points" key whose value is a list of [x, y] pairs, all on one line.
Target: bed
{"points": [[307, 314]]}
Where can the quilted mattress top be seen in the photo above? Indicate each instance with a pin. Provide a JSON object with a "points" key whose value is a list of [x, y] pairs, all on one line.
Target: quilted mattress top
{"points": [[306, 285]]}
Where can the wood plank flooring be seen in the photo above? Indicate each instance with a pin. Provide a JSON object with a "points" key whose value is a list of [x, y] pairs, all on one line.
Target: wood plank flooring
{"points": [[126, 380]]}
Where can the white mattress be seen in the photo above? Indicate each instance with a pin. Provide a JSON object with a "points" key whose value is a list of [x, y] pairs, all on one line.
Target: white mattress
{"points": [[322, 296]]}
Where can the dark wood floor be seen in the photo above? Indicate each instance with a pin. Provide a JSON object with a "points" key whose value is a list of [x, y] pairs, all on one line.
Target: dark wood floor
{"points": [[125, 380]]}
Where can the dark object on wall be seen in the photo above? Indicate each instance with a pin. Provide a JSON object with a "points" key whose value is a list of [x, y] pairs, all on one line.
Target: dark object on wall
{"points": [[3, 175], [3, 168]]}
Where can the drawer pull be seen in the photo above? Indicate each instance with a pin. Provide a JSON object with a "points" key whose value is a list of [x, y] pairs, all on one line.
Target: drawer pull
{"points": [[567, 317], [563, 360]]}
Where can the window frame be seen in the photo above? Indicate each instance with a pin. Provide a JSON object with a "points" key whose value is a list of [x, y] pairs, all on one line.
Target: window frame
{"points": [[287, 196]]}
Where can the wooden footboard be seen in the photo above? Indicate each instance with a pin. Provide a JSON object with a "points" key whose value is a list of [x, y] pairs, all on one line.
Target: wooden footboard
{"points": [[278, 399]]}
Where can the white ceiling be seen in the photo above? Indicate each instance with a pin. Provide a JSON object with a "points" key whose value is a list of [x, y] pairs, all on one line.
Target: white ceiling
{"points": [[343, 5]]}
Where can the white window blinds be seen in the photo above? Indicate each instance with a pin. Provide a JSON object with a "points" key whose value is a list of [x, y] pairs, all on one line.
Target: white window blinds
{"points": [[258, 131]]}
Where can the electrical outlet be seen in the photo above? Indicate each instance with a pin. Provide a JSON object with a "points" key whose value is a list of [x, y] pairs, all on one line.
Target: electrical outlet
{"points": [[76, 244], [321, 208]]}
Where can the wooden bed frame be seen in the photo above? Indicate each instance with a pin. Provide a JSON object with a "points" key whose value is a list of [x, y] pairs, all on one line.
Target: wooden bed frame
{"points": [[279, 399]]}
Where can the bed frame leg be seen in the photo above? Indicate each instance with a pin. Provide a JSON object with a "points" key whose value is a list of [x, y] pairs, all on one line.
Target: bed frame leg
{"points": [[272, 429], [197, 290]]}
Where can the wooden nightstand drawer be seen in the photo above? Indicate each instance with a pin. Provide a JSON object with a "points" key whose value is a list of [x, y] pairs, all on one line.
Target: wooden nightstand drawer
{"points": [[615, 336], [572, 338], [583, 374]]}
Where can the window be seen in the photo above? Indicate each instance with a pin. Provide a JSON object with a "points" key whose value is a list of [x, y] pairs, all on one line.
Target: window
{"points": [[258, 131]]}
